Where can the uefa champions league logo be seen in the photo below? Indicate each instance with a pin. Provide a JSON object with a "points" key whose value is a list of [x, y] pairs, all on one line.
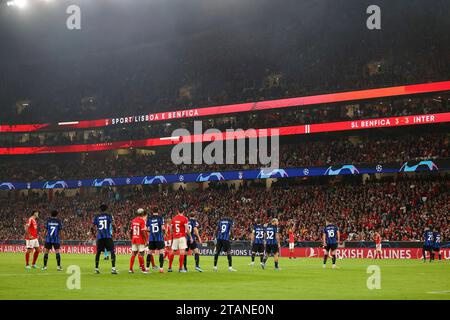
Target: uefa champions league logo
{"points": [[154, 180], [7, 186], [215, 176], [347, 167], [427, 164]]}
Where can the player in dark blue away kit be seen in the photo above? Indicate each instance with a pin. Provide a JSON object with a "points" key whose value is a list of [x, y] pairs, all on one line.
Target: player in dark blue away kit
{"points": [[192, 238], [257, 238], [272, 243], [437, 243], [156, 227], [331, 238], [53, 234], [223, 242], [103, 222], [428, 241]]}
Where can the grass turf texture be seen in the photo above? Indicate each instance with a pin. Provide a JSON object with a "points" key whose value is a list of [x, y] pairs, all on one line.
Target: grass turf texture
{"points": [[298, 279]]}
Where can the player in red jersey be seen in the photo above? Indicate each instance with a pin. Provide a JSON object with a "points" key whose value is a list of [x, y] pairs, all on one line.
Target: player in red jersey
{"points": [[377, 238], [291, 243], [179, 231], [168, 239], [138, 240], [31, 239]]}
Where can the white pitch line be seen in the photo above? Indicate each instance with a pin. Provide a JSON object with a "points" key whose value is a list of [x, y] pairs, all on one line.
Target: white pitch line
{"points": [[439, 292]]}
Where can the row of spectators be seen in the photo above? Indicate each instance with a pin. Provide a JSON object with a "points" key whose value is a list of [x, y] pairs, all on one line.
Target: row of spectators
{"points": [[399, 208], [336, 150], [308, 115]]}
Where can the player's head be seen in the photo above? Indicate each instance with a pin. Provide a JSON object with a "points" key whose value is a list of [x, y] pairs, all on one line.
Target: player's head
{"points": [[140, 212], [274, 221], [427, 228], [54, 213], [327, 222], [35, 214], [257, 221], [192, 215], [103, 207]]}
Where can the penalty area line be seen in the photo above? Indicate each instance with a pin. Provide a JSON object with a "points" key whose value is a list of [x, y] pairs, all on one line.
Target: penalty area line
{"points": [[439, 292]]}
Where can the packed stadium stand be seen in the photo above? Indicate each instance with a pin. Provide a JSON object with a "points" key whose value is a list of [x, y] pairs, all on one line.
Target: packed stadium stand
{"points": [[220, 67]]}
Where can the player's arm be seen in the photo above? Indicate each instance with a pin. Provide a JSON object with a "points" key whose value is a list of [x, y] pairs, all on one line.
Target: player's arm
{"points": [[324, 240], [186, 228], [26, 227], [197, 234], [252, 236], [145, 233], [278, 238], [339, 236]]}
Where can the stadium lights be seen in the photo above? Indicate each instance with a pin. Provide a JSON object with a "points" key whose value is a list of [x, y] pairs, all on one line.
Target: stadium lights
{"points": [[17, 3], [21, 3]]}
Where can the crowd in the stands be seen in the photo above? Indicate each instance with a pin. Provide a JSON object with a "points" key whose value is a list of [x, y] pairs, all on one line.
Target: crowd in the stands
{"points": [[399, 208], [332, 151]]}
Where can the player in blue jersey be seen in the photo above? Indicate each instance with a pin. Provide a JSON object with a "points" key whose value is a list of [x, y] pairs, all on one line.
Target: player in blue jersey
{"points": [[428, 241], [53, 234], [103, 225], [437, 243], [330, 238], [272, 243], [156, 228], [223, 237], [257, 239], [193, 238]]}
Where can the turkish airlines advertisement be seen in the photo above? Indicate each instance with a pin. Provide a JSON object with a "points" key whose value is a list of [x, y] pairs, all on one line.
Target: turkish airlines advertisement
{"points": [[364, 253], [341, 253]]}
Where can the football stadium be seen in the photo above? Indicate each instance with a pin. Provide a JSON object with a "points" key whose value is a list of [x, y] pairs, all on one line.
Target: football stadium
{"points": [[224, 150]]}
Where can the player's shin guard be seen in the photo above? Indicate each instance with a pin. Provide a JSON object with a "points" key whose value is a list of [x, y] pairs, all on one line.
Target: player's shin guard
{"points": [[261, 257], [45, 259], [113, 260], [197, 260], [182, 259], [148, 260], [440, 256], [133, 257], [253, 257], [230, 261], [216, 257], [161, 260], [276, 264], [97, 259], [171, 257], [152, 259], [424, 252], [325, 258], [141, 262], [58, 259], [185, 261], [333, 258], [35, 256], [27, 258]]}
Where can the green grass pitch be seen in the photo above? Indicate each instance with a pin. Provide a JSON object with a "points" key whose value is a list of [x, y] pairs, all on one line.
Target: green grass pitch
{"points": [[298, 279]]}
